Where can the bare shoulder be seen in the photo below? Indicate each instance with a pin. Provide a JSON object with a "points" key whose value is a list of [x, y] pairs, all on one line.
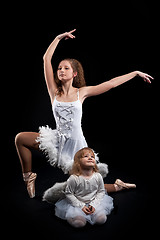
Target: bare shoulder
{"points": [[82, 90]]}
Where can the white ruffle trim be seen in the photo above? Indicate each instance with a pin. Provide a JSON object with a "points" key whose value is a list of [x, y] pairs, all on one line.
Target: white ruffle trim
{"points": [[67, 164], [103, 169], [55, 193], [48, 143]]}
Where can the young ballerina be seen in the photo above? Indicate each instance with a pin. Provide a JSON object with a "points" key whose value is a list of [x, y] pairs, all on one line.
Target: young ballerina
{"points": [[85, 196], [67, 91]]}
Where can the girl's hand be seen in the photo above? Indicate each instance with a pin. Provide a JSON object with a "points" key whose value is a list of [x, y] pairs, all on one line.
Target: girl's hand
{"points": [[92, 209], [88, 210], [66, 35], [146, 77]]}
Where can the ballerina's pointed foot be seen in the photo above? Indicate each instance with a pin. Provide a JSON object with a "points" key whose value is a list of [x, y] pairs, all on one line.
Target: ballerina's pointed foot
{"points": [[31, 184], [120, 185]]}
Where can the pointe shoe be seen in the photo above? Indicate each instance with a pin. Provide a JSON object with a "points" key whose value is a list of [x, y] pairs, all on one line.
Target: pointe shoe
{"points": [[124, 185], [31, 184]]}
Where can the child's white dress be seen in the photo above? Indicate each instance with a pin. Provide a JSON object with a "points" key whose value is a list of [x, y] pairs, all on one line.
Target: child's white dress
{"points": [[61, 144], [81, 191]]}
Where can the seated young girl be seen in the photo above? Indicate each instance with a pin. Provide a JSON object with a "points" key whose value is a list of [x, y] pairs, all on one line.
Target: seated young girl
{"points": [[85, 196]]}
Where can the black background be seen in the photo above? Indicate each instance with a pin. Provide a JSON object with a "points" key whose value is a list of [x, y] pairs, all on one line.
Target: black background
{"points": [[121, 125]]}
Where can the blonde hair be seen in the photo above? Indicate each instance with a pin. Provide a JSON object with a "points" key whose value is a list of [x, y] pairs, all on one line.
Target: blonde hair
{"points": [[76, 168], [78, 80]]}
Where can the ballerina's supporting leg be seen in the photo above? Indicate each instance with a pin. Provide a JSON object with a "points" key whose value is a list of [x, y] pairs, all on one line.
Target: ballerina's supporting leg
{"points": [[25, 141], [118, 186]]}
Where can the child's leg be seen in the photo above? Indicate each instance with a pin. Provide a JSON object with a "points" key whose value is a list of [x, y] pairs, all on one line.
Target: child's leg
{"points": [[77, 222], [100, 218]]}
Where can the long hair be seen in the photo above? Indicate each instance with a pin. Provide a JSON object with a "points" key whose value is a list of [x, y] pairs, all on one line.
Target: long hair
{"points": [[76, 168], [78, 80]]}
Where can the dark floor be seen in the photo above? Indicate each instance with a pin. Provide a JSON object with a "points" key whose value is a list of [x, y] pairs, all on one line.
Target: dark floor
{"points": [[131, 218]]}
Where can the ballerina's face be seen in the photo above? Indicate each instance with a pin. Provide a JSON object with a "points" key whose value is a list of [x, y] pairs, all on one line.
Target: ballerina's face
{"points": [[65, 71]]}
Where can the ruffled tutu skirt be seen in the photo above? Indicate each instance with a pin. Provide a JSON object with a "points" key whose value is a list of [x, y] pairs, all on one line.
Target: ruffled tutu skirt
{"points": [[64, 210], [60, 149]]}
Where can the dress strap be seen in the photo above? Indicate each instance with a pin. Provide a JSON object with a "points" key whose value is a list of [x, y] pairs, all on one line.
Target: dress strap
{"points": [[77, 93]]}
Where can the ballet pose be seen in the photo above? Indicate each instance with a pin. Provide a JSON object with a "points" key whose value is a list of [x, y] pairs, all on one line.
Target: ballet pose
{"points": [[67, 90]]}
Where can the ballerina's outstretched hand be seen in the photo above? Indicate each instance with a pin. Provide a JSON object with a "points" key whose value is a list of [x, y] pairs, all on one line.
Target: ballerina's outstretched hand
{"points": [[146, 77], [66, 35]]}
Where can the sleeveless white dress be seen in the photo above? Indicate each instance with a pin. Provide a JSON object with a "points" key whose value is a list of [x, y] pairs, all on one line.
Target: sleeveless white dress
{"points": [[61, 144]]}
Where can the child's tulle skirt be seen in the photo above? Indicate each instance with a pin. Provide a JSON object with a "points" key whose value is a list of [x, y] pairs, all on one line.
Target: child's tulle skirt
{"points": [[64, 210]]}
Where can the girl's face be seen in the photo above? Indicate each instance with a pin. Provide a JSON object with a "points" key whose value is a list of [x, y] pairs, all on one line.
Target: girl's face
{"points": [[88, 159], [65, 71]]}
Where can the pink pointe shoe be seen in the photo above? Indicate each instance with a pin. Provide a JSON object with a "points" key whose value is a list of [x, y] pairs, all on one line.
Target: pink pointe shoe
{"points": [[123, 185], [31, 184]]}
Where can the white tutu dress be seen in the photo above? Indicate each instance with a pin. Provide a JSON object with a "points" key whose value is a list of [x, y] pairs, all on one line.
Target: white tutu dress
{"points": [[61, 144], [80, 192]]}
